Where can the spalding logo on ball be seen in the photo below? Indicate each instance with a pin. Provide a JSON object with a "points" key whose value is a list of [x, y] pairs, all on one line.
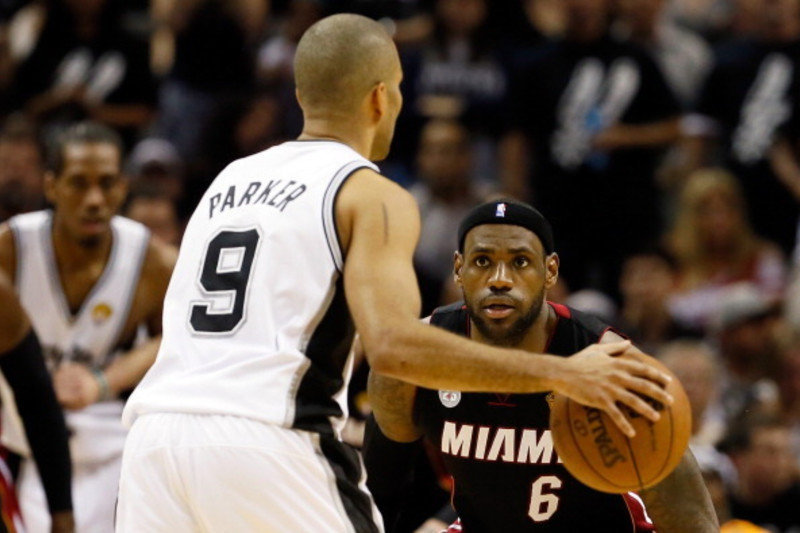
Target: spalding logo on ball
{"points": [[598, 454]]}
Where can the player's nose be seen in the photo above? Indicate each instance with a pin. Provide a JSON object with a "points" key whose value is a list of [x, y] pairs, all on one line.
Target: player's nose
{"points": [[501, 277]]}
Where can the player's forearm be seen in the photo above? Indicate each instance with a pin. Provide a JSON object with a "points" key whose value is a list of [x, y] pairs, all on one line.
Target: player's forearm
{"points": [[681, 503], [436, 359], [127, 370]]}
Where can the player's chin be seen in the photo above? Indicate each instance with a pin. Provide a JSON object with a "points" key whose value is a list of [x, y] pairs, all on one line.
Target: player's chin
{"points": [[497, 329]]}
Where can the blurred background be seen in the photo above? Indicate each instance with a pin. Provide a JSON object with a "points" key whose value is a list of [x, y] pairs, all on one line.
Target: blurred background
{"points": [[660, 137]]}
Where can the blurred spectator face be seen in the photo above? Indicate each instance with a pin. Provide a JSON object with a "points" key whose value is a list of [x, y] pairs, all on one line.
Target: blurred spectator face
{"points": [[718, 218], [747, 17], [646, 279], [461, 17], [444, 160], [695, 368], [21, 176], [156, 163], [753, 339], [641, 16], [159, 215], [766, 467], [587, 19], [781, 19]]}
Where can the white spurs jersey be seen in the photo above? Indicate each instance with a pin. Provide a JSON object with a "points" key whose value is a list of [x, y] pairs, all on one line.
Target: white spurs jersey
{"points": [[91, 335], [255, 319]]}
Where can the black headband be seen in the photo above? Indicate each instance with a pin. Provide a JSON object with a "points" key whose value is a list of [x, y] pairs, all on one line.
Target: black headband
{"points": [[509, 212]]}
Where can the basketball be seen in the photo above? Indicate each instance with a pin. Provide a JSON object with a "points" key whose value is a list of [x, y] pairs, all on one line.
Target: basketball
{"points": [[597, 453]]}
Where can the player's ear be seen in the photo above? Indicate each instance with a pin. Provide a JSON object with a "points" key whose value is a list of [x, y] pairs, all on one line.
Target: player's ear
{"points": [[458, 264], [50, 186], [379, 99], [551, 263]]}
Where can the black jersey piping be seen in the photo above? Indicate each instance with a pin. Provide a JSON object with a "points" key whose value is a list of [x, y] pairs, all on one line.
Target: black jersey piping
{"points": [[327, 352]]}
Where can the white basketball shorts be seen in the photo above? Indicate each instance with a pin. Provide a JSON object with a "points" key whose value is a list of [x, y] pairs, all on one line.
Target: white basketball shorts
{"points": [[186, 473]]}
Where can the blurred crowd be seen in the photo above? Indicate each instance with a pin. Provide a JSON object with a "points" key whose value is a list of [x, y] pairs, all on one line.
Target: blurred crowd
{"points": [[660, 137]]}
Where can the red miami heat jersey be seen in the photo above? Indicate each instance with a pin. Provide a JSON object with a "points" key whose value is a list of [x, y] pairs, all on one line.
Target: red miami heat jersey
{"points": [[498, 448]]}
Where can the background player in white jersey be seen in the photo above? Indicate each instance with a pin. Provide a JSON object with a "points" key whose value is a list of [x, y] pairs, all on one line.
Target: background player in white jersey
{"points": [[23, 368], [289, 251], [89, 281]]}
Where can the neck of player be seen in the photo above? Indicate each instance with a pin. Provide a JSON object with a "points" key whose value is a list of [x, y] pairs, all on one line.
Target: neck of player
{"points": [[71, 254], [345, 132]]}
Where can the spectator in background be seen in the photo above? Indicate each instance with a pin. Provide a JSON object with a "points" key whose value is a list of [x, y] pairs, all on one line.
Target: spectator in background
{"points": [[213, 65], [21, 168], [745, 331], [83, 64], [275, 60], [597, 112], [715, 247], [150, 205], [683, 57], [647, 281], [157, 161], [767, 490], [789, 384], [457, 73], [238, 128], [697, 368], [445, 193], [747, 101], [719, 474]]}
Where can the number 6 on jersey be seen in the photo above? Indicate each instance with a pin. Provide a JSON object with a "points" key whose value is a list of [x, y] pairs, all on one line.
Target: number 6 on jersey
{"points": [[223, 281]]}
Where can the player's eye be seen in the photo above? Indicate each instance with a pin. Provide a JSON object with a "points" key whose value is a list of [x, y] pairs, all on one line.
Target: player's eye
{"points": [[521, 262], [481, 261]]}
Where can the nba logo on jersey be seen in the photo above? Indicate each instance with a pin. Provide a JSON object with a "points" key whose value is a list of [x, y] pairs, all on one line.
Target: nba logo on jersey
{"points": [[501, 210], [449, 398]]}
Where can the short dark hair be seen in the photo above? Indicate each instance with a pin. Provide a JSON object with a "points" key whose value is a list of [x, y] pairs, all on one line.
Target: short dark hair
{"points": [[86, 132]]}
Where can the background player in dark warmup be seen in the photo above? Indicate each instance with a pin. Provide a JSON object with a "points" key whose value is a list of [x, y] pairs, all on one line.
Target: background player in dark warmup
{"points": [[22, 365], [330, 254], [498, 447]]}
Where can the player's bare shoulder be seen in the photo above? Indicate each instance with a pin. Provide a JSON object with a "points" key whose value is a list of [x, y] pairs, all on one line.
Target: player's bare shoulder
{"points": [[375, 201]]}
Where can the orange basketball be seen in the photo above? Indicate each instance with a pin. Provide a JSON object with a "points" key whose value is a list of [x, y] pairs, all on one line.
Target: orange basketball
{"points": [[597, 453]]}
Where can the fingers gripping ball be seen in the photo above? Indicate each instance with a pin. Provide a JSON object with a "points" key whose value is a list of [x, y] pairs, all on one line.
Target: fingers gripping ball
{"points": [[599, 455]]}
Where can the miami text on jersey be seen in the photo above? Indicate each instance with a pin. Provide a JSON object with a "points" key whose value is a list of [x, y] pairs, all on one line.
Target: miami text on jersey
{"points": [[508, 445]]}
